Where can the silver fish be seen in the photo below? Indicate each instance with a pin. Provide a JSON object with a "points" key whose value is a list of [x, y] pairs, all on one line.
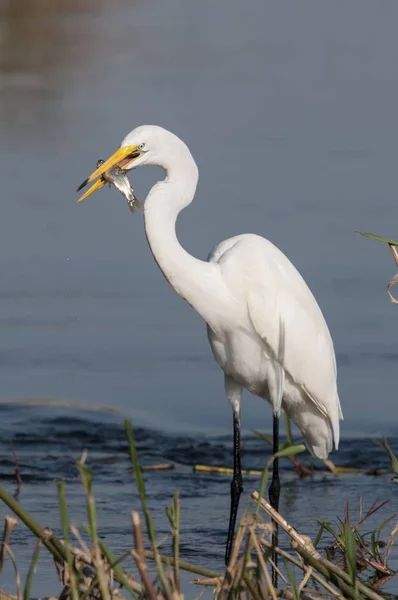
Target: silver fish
{"points": [[119, 179]]}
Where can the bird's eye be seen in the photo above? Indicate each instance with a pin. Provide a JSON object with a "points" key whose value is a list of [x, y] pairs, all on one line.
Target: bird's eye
{"points": [[141, 146]]}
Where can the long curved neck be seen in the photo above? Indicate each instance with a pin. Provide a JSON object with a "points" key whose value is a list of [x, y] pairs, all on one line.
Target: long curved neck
{"points": [[188, 276]]}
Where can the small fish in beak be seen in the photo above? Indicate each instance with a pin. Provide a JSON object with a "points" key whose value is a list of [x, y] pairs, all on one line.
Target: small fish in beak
{"points": [[116, 176]]}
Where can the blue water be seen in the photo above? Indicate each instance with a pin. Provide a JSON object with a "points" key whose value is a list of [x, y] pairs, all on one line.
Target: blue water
{"points": [[290, 112], [45, 445]]}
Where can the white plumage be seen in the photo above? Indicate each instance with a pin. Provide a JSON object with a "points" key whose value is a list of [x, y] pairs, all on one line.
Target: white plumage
{"points": [[265, 328], [280, 347]]}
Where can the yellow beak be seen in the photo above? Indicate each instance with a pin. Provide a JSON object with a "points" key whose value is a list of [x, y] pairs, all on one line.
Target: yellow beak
{"points": [[122, 153]]}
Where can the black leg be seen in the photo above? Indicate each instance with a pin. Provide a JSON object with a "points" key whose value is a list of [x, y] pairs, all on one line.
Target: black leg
{"points": [[273, 492], [236, 487]]}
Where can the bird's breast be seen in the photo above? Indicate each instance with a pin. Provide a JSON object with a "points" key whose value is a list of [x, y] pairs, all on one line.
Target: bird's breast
{"points": [[243, 357]]}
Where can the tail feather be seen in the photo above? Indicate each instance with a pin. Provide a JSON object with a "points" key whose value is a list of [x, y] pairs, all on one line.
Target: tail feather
{"points": [[317, 426], [333, 416]]}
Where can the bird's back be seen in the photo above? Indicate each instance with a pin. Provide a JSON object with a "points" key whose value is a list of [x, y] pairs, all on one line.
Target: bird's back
{"points": [[285, 316]]}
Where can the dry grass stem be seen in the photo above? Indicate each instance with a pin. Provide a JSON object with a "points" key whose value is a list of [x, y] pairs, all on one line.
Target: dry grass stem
{"points": [[185, 566], [267, 576], [5, 596], [228, 577], [224, 470], [390, 543], [82, 543], [277, 569], [275, 516], [314, 575], [92, 572], [209, 582], [305, 548], [339, 578], [394, 253], [307, 575], [159, 467], [9, 524], [139, 556], [10, 553]]}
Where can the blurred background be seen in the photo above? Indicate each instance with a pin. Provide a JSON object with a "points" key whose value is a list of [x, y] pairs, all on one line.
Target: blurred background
{"points": [[290, 110]]}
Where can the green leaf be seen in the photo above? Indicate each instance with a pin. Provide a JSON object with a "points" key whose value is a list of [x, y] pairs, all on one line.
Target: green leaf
{"points": [[115, 566], [379, 238], [292, 581], [144, 502], [394, 459], [32, 571], [65, 531], [330, 530], [264, 436], [54, 545], [350, 548], [290, 451], [319, 535], [263, 483], [269, 439], [384, 524]]}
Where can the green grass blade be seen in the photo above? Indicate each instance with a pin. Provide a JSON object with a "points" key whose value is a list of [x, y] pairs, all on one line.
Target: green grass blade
{"points": [[176, 538], [114, 564], [263, 483], [139, 480], [350, 553], [264, 436], [54, 548], [141, 490], [379, 238], [65, 532], [394, 459], [117, 569], [374, 549], [32, 571], [292, 581], [290, 451], [319, 535], [330, 530], [268, 438], [87, 480]]}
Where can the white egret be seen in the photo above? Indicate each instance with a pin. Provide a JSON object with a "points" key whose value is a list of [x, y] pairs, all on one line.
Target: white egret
{"points": [[264, 326]]}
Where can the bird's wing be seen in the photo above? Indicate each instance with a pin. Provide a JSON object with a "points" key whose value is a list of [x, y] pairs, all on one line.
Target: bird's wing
{"points": [[218, 252], [288, 319], [286, 316]]}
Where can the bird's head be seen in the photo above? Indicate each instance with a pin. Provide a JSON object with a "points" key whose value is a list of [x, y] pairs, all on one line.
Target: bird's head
{"points": [[145, 145]]}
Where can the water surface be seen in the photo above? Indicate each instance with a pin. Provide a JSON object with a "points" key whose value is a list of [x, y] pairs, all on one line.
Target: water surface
{"points": [[46, 445], [290, 112]]}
